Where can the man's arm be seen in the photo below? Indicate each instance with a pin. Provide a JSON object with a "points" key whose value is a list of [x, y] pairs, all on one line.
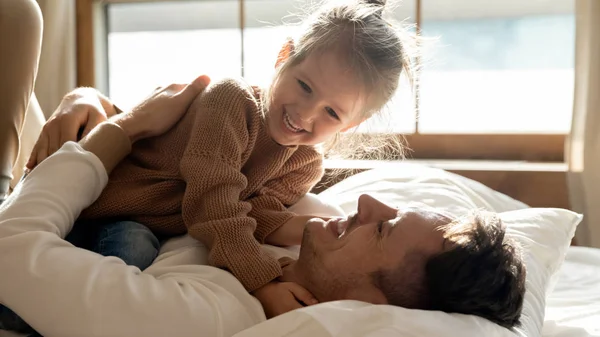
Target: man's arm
{"points": [[65, 291], [77, 114]]}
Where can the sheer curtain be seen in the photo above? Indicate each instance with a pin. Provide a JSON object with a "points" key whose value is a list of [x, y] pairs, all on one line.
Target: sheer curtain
{"points": [[56, 73], [583, 146]]}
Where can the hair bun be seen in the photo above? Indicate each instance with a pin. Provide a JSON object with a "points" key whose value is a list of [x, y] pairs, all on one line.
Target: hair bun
{"points": [[377, 3]]}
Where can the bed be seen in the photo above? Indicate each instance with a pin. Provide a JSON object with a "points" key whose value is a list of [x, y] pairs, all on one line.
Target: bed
{"points": [[563, 282], [573, 308]]}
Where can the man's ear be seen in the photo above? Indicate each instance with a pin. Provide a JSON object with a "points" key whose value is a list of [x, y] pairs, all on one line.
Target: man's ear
{"points": [[285, 52]]}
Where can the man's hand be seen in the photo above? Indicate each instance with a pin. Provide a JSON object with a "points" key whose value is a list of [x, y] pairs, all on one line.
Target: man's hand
{"points": [[84, 108], [80, 109], [280, 297], [161, 110]]}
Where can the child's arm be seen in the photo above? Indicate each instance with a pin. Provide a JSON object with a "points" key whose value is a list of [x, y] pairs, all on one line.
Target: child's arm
{"points": [[269, 206], [290, 233], [211, 168]]}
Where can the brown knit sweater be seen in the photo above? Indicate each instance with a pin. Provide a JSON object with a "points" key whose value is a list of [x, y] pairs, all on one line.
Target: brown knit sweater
{"points": [[218, 176]]}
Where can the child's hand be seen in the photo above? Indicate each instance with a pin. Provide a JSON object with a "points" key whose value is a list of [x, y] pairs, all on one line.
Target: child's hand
{"points": [[280, 297]]}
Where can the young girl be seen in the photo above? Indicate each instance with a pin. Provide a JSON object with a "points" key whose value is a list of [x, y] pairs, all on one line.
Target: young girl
{"points": [[227, 171]]}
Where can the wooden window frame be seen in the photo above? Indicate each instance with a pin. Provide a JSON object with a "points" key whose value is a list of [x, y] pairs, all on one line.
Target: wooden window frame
{"points": [[521, 184]]}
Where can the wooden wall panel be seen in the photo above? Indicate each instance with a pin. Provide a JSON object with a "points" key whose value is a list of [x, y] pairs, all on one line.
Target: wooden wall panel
{"points": [[85, 43]]}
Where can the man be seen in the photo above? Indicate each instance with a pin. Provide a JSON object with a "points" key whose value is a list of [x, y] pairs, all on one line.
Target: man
{"points": [[412, 257]]}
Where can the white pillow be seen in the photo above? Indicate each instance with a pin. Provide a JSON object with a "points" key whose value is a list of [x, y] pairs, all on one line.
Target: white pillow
{"points": [[545, 235]]}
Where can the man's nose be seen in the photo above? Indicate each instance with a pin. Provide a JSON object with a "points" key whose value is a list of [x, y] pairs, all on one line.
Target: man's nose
{"points": [[372, 210]]}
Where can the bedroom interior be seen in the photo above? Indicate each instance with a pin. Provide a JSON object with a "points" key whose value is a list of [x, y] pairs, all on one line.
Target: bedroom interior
{"points": [[507, 109]]}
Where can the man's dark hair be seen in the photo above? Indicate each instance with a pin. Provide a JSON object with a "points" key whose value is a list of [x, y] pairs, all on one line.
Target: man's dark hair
{"points": [[481, 273]]}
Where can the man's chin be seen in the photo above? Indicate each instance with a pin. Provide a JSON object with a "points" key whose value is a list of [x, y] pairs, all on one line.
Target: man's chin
{"points": [[306, 239], [307, 247]]}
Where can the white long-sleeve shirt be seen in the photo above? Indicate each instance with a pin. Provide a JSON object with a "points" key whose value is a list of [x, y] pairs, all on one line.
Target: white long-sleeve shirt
{"points": [[65, 291]]}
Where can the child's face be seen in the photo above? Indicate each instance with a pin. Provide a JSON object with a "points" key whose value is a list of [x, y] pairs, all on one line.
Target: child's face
{"points": [[314, 100]]}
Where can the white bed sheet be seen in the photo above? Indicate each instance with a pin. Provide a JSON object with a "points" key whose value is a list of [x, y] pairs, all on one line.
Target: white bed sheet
{"points": [[573, 308]]}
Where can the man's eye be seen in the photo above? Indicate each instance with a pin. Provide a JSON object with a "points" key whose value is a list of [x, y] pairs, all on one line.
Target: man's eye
{"points": [[305, 86]]}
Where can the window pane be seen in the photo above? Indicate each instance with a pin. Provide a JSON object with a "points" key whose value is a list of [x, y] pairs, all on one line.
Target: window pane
{"points": [[156, 43], [503, 66], [265, 33]]}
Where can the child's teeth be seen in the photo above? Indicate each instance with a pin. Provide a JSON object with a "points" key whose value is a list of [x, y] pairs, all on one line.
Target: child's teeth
{"points": [[290, 124]]}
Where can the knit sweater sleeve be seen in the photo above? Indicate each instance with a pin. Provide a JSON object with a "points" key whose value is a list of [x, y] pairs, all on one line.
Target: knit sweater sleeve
{"points": [[298, 177], [211, 167]]}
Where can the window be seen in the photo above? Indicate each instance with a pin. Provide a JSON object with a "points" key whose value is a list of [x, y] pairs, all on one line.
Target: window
{"points": [[498, 66], [155, 43], [495, 75]]}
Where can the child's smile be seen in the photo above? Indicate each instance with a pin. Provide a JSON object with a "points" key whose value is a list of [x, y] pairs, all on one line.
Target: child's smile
{"points": [[314, 100], [290, 124]]}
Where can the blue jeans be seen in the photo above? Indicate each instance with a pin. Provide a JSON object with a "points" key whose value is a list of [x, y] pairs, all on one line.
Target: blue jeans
{"points": [[134, 243]]}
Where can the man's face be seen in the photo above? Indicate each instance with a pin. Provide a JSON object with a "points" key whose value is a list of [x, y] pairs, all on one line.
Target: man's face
{"points": [[339, 255]]}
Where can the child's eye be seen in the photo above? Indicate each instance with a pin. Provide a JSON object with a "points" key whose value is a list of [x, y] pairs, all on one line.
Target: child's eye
{"points": [[332, 113], [305, 87]]}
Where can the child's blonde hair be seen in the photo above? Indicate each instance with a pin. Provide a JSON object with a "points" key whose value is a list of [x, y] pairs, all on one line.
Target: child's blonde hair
{"points": [[370, 44]]}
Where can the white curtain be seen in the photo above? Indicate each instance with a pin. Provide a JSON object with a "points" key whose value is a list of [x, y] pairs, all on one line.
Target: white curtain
{"points": [[56, 73], [583, 146]]}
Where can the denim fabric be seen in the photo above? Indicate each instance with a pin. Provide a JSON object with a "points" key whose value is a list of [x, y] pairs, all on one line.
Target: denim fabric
{"points": [[134, 243]]}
